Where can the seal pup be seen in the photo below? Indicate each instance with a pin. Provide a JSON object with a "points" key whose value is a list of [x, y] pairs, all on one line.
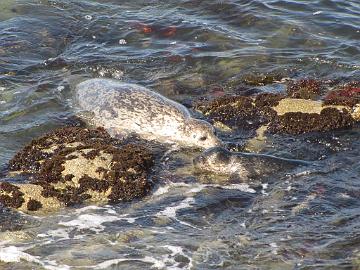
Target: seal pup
{"points": [[243, 165], [123, 108]]}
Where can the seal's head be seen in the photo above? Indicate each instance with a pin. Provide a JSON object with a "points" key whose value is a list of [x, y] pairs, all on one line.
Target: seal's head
{"points": [[216, 159], [200, 133]]}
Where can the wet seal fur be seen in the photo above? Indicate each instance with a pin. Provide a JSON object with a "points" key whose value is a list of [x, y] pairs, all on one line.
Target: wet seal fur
{"points": [[123, 108], [75, 165], [218, 160]]}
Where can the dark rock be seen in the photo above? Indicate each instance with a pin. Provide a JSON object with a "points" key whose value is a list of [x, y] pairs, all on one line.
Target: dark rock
{"points": [[298, 122]]}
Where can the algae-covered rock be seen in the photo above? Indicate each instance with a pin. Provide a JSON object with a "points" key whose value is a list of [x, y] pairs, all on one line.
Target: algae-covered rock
{"points": [[280, 113], [240, 111], [304, 89], [299, 122], [74, 165], [30, 158], [348, 95]]}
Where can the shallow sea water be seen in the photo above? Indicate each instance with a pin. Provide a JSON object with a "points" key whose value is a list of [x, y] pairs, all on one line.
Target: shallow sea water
{"points": [[304, 219]]}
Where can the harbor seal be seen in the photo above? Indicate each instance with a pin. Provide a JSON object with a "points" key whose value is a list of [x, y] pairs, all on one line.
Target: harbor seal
{"points": [[243, 165], [123, 108]]}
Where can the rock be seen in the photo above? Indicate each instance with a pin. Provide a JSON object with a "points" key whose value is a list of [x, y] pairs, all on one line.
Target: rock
{"points": [[304, 89], [348, 95], [261, 79], [74, 165], [240, 111], [279, 113]]}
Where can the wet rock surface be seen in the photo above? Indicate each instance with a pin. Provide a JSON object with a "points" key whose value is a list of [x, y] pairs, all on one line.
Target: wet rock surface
{"points": [[30, 158], [261, 79], [241, 111], [304, 88], [294, 113], [74, 165], [299, 122], [347, 95], [11, 220]]}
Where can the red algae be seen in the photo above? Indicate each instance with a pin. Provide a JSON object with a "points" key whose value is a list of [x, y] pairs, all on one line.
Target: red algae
{"points": [[348, 95], [144, 28], [169, 31]]}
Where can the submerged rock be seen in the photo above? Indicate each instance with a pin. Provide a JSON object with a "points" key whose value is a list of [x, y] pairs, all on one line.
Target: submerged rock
{"points": [[12, 221], [261, 79], [74, 165]]}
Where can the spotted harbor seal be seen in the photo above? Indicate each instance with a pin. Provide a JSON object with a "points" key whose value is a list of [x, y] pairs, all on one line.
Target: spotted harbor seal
{"points": [[123, 108], [244, 165]]}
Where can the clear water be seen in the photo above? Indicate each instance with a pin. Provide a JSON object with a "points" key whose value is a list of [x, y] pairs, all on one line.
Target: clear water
{"points": [[184, 50]]}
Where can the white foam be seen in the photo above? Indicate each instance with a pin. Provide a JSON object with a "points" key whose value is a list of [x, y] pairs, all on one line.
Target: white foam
{"points": [[89, 221], [170, 259], [196, 188], [275, 248], [157, 264], [58, 233], [107, 208], [317, 12], [162, 190], [90, 207], [129, 219], [241, 187], [170, 211], [122, 42], [174, 250], [15, 254]]}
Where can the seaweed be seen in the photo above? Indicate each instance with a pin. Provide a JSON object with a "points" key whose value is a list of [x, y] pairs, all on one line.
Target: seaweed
{"points": [[261, 79], [298, 122], [123, 168], [10, 195], [34, 205], [250, 113], [30, 157], [304, 88], [235, 111], [348, 95]]}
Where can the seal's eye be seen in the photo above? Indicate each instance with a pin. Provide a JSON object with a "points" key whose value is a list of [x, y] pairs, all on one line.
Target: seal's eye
{"points": [[203, 138]]}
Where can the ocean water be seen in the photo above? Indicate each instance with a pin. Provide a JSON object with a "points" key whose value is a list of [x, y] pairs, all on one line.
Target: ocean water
{"points": [[305, 219]]}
